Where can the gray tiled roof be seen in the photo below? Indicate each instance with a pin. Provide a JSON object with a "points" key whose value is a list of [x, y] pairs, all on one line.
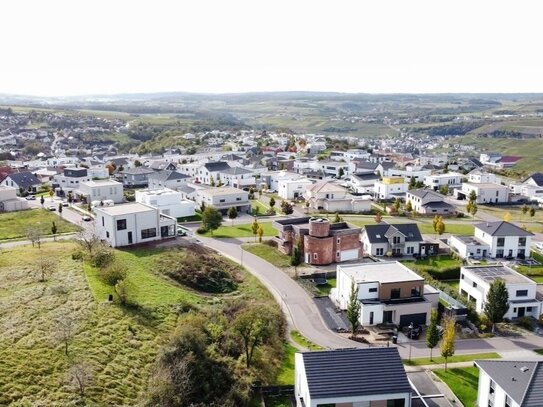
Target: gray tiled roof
{"points": [[521, 380], [138, 171], [355, 372], [236, 171], [502, 228], [216, 166], [167, 175], [377, 233], [24, 179], [537, 178], [426, 193]]}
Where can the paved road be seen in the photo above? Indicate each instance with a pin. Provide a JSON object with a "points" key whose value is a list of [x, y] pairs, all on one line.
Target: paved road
{"points": [[301, 311]]}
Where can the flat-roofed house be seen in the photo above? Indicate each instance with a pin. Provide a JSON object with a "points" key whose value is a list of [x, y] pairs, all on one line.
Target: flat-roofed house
{"points": [[389, 292], [223, 198]]}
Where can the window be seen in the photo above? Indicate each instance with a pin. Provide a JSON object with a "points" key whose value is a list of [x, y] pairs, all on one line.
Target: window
{"points": [[396, 239], [238, 199], [461, 276], [148, 233], [474, 284], [522, 293], [528, 309], [379, 251], [394, 293], [492, 387], [107, 235], [415, 292], [222, 200], [337, 253], [102, 221], [396, 403], [338, 240], [508, 401], [121, 224], [501, 242], [410, 250], [521, 241], [373, 290], [315, 256]]}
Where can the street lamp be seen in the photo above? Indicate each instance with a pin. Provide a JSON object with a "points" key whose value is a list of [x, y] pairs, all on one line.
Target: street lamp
{"points": [[241, 247], [410, 338]]}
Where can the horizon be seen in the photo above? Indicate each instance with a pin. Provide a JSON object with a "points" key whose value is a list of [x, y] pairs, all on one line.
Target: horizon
{"points": [[67, 49]]}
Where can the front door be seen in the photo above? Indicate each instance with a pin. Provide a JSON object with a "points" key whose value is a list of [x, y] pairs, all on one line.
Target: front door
{"points": [[521, 312], [387, 317], [130, 238]]}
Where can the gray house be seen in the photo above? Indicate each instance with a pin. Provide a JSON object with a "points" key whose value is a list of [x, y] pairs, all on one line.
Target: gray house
{"points": [[137, 177]]}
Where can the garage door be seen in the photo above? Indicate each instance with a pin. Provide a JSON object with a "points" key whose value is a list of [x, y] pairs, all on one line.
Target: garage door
{"points": [[416, 319], [348, 255]]}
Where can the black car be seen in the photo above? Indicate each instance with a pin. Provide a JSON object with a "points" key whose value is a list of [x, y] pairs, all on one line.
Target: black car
{"points": [[414, 333]]}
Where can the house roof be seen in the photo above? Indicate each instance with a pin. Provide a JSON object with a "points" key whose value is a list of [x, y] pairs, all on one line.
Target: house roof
{"points": [[502, 228], [438, 205], [222, 191], [354, 372], [186, 189], [521, 380], [167, 175], [537, 177], [138, 171], [366, 176], [377, 233], [160, 164], [236, 171], [325, 186], [366, 165], [425, 193], [24, 179], [493, 272], [216, 166]]}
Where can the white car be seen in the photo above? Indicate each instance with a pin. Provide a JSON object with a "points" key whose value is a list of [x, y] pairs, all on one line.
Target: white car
{"points": [[539, 246]]}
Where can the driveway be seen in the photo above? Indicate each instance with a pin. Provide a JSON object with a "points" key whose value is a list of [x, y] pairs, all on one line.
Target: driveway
{"points": [[426, 393]]}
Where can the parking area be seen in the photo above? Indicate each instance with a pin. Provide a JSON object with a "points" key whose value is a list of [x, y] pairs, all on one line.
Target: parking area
{"points": [[336, 321], [426, 392]]}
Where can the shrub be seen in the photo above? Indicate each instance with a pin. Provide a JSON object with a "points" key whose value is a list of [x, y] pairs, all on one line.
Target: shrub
{"points": [[201, 271], [113, 273], [78, 255], [525, 322], [102, 257], [271, 243], [201, 230]]}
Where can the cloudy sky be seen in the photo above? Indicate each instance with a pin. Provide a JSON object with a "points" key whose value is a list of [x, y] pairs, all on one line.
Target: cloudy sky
{"points": [[92, 47]]}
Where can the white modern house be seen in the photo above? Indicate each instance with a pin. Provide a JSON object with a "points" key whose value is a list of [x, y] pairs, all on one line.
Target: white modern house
{"points": [[428, 202], [332, 197], [451, 180], [10, 202], [510, 383], [292, 188], [101, 190], [223, 198], [475, 282], [504, 239], [409, 172], [362, 183], [168, 201], [372, 377], [401, 239], [133, 223], [482, 177], [390, 188], [389, 292], [70, 178], [486, 192], [237, 177]]}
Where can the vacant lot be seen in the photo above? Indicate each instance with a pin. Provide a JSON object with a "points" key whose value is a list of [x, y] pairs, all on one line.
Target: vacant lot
{"points": [[14, 225], [463, 382], [117, 344], [243, 230], [268, 253]]}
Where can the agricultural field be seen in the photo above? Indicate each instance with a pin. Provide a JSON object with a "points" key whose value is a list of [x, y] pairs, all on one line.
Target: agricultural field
{"points": [[13, 225], [52, 330]]}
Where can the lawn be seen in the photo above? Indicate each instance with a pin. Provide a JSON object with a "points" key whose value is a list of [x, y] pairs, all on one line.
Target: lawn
{"points": [[261, 207], [324, 289], [514, 211], [286, 374], [303, 341], [13, 225], [439, 267], [242, 230], [465, 229], [119, 344], [454, 284], [453, 359], [268, 253], [463, 382]]}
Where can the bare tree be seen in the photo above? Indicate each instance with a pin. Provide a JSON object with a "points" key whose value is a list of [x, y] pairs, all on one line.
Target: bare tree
{"points": [[34, 235], [80, 377], [65, 331], [88, 239], [45, 266]]}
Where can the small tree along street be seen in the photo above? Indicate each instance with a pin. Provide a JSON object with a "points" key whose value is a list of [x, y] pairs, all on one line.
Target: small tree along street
{"points": [[497, 302]]}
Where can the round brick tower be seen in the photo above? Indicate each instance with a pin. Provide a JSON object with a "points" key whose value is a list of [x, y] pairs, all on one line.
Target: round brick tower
{"points": [[319, 227]]}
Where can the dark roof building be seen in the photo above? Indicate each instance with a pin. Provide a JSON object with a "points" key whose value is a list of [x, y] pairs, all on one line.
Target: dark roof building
{"points": [[216, 166], [23, 180], [502, 228], [379, 233], [351, 376], [536, 178], [521, 381]]}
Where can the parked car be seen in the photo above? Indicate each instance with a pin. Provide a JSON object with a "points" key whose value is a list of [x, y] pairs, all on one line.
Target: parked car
{"points": [[31, 198], [51, 208], [414, 333], [65, 204], [86, 218], [539, 246]]}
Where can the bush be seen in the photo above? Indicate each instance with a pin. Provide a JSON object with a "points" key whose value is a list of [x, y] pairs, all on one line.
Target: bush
{"points": [[113, 273], [271, 243], [525, 322], [78, 255], [201, 271], [102, 257], [201, 230], [460, 214]]}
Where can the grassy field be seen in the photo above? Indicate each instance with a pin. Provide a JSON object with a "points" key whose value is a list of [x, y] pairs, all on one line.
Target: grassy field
{"points": [[242, 230], [436, 360], [463, 382], [270, 254], [117, 343], [425, 225], [534, 223], [452, 228], [13, 225]]}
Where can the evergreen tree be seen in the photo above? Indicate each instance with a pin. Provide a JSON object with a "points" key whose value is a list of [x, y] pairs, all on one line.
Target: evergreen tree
{"points": [[497, 302], [353, 309]]}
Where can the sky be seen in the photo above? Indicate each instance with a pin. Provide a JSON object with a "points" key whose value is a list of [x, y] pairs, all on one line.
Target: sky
{"points": [[75, 47]]}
